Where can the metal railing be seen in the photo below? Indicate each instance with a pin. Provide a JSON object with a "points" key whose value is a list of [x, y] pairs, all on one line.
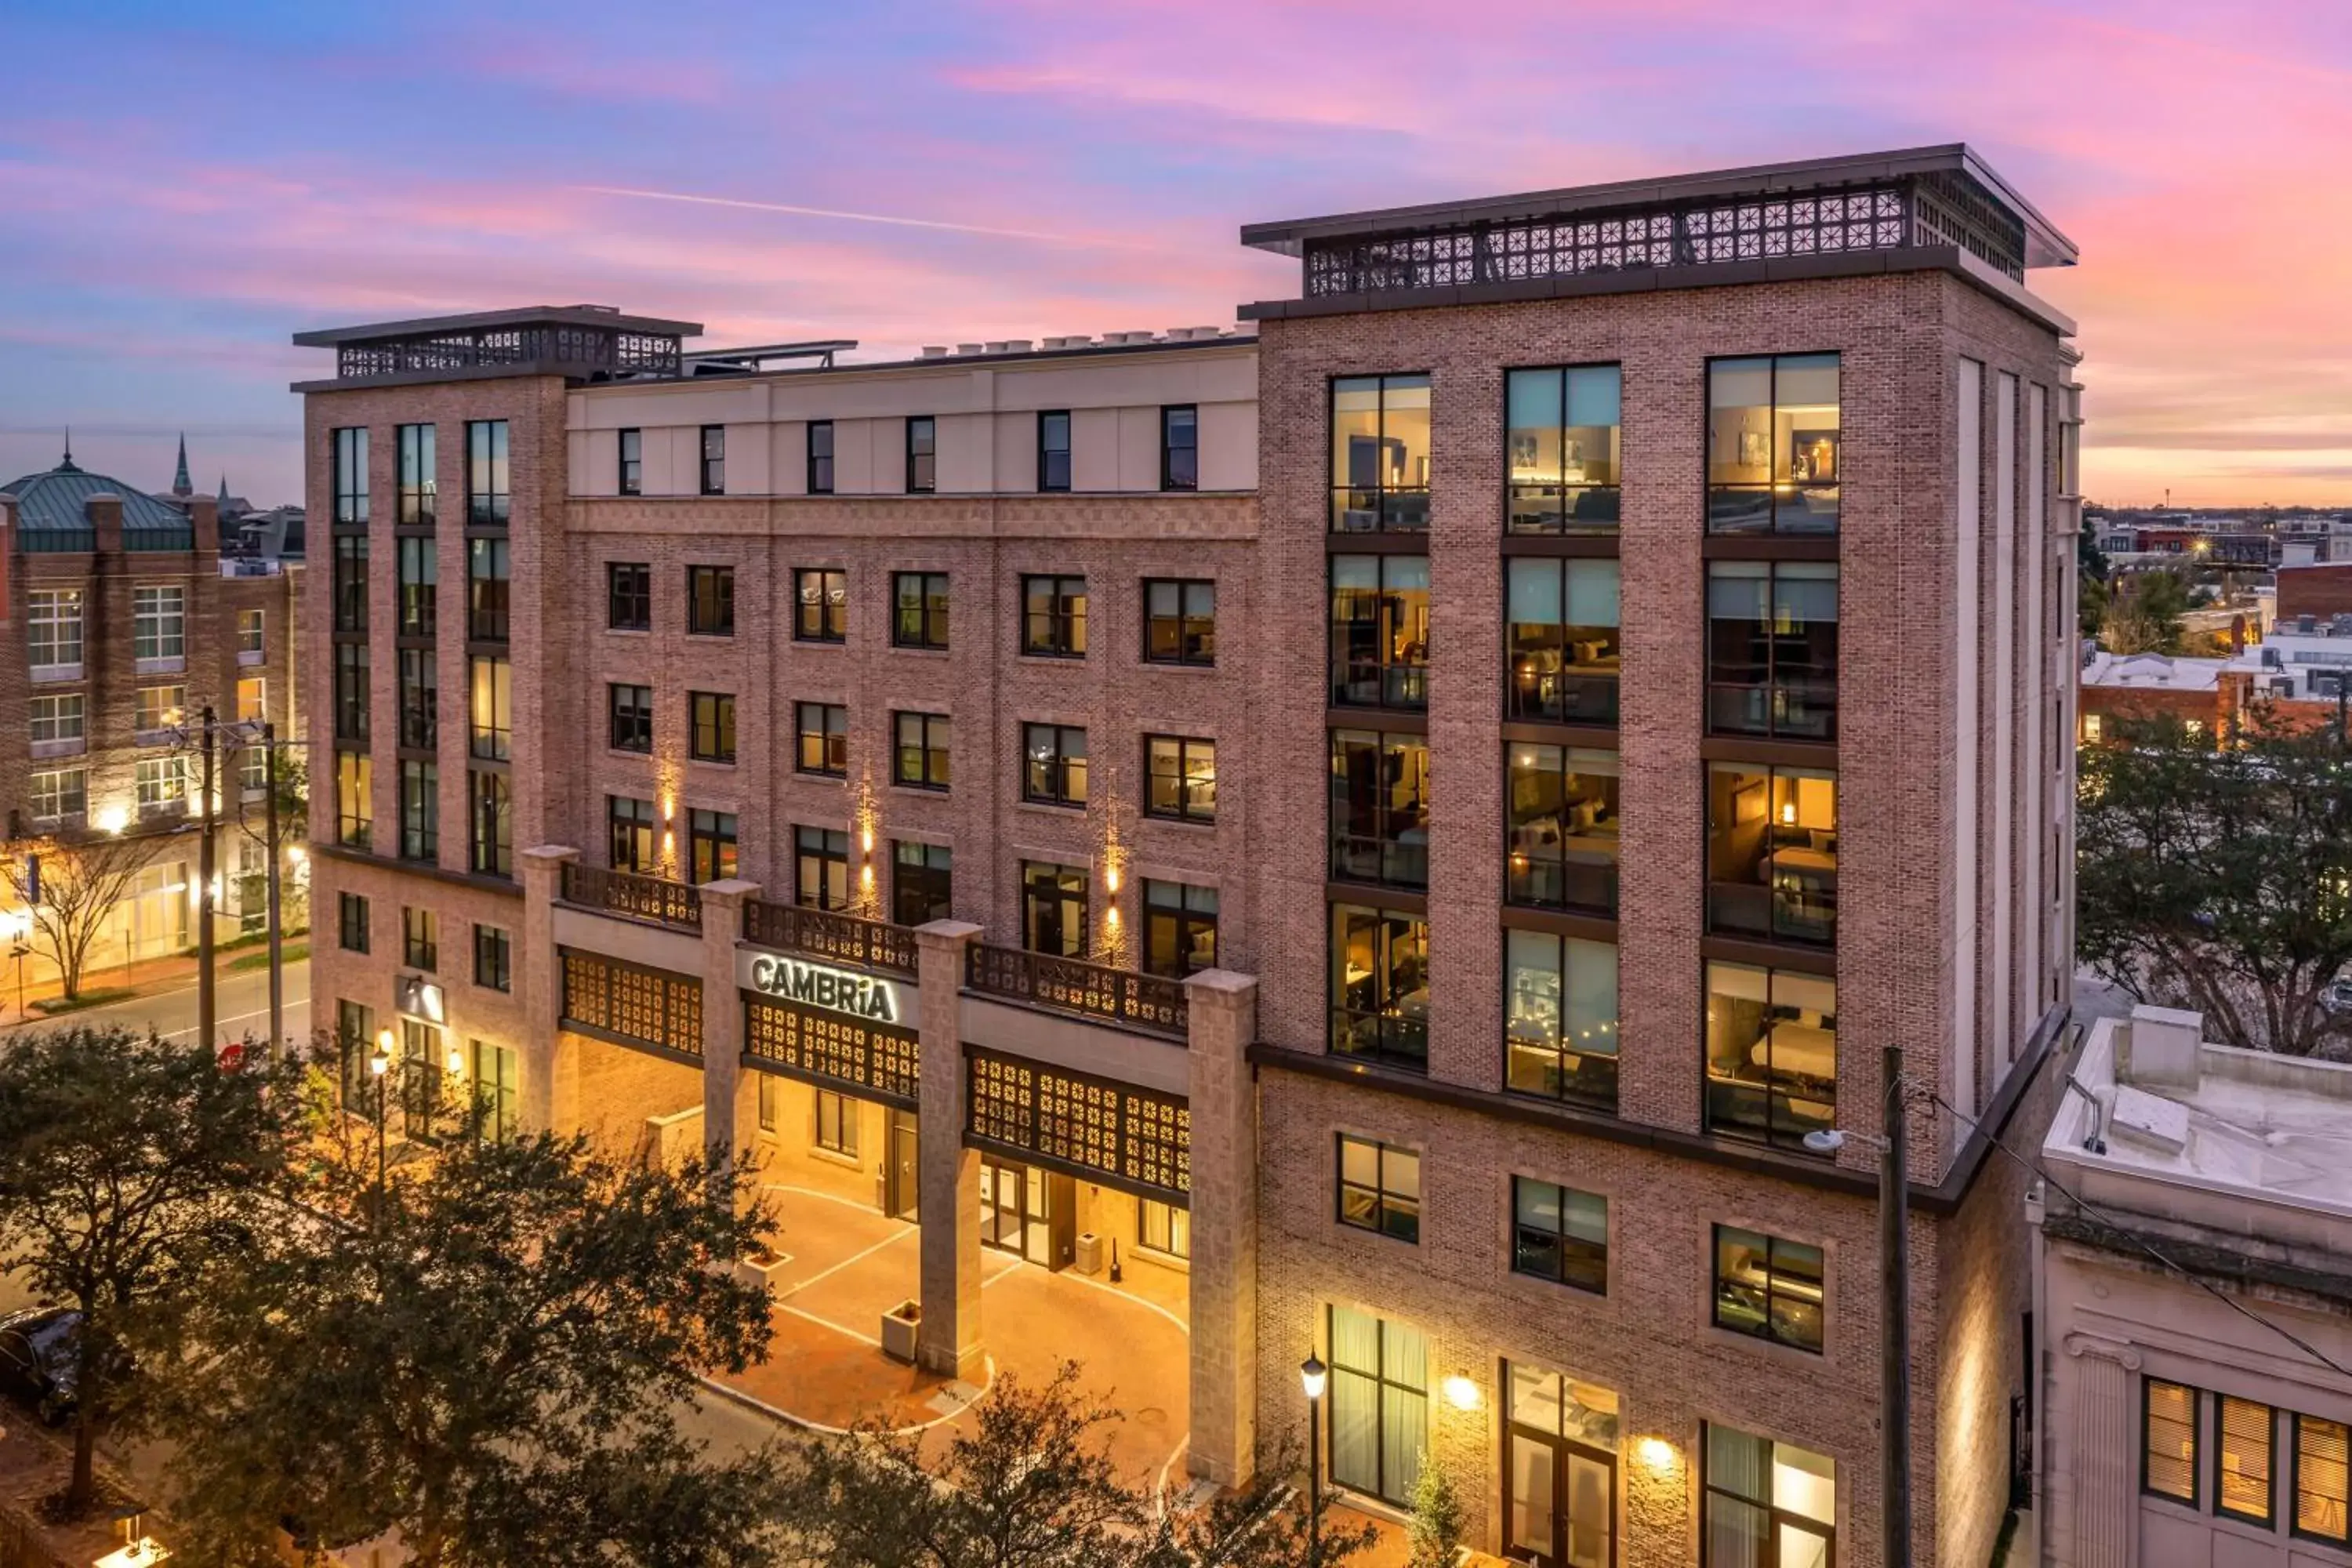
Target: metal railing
{"points": [[1150, 1002], [829, 934], [654, 899], [163, 536], [57, 541]]}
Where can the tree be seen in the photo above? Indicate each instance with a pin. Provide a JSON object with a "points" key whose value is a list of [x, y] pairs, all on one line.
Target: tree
{"points": [[80, 882], [289, 781], [2146, 619], [486, 1355], [130, 1173], [2222, 880], [1436, 1529], [1032, 1485]]}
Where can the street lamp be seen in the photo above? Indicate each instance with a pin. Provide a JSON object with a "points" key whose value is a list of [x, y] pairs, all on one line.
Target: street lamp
{"points": [[1312, 1376], [378, 1068]]}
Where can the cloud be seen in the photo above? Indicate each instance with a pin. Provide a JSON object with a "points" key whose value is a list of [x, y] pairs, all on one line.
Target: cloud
{"points": [[746, 206]]}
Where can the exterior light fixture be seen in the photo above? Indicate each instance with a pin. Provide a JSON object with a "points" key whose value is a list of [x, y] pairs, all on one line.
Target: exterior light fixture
{"points": [[1656, 1453], [1461, 1393], [1312, 1376], [380, 1059], [457, 1062]]}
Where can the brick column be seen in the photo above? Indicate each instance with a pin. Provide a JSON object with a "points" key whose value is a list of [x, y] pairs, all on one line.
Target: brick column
{"points": [[551, 1064], [722, 1014], [948, 1179], [1223, 1094]]}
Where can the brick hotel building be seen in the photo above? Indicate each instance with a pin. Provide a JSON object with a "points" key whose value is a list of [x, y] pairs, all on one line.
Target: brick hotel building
{"points": [[1402, 819]]}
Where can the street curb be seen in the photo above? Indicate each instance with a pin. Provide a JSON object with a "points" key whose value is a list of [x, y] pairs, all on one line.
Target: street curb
{"points": [[760, 1406]]}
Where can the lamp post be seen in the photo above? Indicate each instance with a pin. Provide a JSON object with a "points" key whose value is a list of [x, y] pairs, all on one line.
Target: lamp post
{"points": [[380, 1068], [1312, 1375], [1894, 1283]]}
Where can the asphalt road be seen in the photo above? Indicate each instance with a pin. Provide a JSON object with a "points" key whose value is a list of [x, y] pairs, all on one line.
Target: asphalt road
{"points": [[241, 1008]]}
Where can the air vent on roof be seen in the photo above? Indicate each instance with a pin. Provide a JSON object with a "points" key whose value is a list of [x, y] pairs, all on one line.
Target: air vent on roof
{"points": [[998, 347], [935, 351], [1016, 345], [1188, 334], [2306, 623], [1126, 336], [968, 348]]}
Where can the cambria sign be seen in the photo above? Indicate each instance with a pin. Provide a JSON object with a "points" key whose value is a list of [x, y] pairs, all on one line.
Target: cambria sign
{"points": [[821, 985]]}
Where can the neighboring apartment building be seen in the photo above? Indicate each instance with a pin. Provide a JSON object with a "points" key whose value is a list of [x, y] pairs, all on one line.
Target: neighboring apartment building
{"points": [[2193, 1246], [1530, 724], [125, 621]]}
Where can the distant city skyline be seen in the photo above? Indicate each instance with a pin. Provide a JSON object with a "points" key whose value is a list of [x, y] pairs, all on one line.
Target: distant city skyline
{"points": [[196, 187]]}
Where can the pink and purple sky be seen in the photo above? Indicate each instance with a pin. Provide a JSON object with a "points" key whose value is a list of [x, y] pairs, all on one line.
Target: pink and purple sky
{"points": [[183, 185]]}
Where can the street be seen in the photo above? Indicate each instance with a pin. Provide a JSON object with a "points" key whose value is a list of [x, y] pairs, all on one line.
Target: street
{"points": [[242, 1008]]}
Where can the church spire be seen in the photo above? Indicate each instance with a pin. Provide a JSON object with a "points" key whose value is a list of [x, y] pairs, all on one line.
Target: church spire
{"points": [[223, 488], [181, 486]]}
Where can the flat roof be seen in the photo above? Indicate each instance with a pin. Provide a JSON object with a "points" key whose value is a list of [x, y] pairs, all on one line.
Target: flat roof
{"points": [[602, 316], [2045, 245]]}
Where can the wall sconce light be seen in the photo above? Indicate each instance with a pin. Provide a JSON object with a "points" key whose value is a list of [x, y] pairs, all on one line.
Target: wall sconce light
{"points": [[1656, 1453], [113, 819], [1789, 812], [1461, 1393], [457, 1063]]}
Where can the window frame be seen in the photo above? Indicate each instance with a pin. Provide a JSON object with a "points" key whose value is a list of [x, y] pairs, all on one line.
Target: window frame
{"points": [[489, 474], [1403, 685], [824, 618], [922, 453], [415, 482], [629, 586], [918, 869], [420, 938], [930, 618], [1180, 623], [1380, 490], [489, 821], [1045, 451], [1170, 477], [629, 460], [1385, 1201], [719, 579], [352, 918], [710, 467], [1766, 1329], [1186, 920], [495, 944], [1056, 774], [623, 817], [2195, 1464], [629, 717], [2295, 1481], [828, 740], [923, 749], [1393, 1033], [819, 477], [2268, 1518], [1560, 1237], [1401, 866], [1059, 630], [1777, 1518], [489, 595], [420, 810], [347, 457], [845, 1140], [160, 623], [1600, 683], [1566, 524], [823, 849], [718, 722], [714, 842], [1709, 490], [1601, 1093], [1185, 784], [1774, 689]]}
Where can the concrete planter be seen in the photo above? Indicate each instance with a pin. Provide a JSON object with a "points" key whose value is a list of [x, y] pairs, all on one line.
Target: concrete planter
{"points": [[898, 1331], [760, 1268]]}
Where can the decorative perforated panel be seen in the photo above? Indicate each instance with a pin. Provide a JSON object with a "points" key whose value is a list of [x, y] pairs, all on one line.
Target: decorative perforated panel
{"points": [[832, 1049], [1138, 1139], [632, 1004]]}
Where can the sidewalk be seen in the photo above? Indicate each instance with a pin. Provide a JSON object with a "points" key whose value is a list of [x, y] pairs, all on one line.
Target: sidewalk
{"points": [[148, 977]]}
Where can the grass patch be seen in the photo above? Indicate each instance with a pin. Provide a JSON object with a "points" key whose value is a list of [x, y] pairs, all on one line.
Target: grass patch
{"points": [[53, 1005], [295, 953], [251, 939]]}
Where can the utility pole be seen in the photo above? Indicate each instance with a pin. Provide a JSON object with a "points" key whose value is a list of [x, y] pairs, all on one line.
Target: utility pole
{"points": [[207, 1002], [276, 932], [1894, 1307]]}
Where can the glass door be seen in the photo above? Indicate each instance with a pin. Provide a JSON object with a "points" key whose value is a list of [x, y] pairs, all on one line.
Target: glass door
{"points": [[1589, 1528], [1534, 1518], [1000, 1204], [900, 1191]]}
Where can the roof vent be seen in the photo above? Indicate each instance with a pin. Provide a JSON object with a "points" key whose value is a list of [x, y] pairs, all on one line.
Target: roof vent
{"points": [[998, 347], [1190, 334], [1075, 341], [1016, 345], [935, 351], [968, 348]]}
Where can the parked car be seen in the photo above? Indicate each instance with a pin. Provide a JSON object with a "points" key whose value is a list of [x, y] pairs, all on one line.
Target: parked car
{"points": [[2337, 995], [41, 1359]]}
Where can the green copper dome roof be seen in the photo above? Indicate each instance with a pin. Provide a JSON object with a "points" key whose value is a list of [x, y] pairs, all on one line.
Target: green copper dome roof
{"points": [[60, 499]]}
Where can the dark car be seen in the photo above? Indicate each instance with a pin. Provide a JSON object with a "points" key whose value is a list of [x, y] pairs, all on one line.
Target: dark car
{"points": [[41, 1359]]}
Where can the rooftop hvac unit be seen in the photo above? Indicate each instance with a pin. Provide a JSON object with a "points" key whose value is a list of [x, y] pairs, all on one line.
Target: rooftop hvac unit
{"points": [[2269, 658], [2306, 623], [2340, 623]]}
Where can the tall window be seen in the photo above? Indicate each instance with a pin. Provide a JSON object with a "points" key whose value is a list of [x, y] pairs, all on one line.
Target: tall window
{"points": [[1560, 1001], [1163, 1229], [351, 691], [922, 455], [1380, 985], [420, 587], [1380, 454], [714, 459], [490, 709], [1053, 451], [489, 583], [628, 595], [2323, 1480], [1179, 929], [252, 635], [922, 882], [1767, 1504], [58, 723], [1561, 639], [632, 461], [1054, 616], [821, 868], [711, 843], [1054, 765], [488, 495], [1180, 778], [354, 803], [1054, 907], [711, 731], [493, 958], [2245, 1438], [629, 834], [351, 571], [1180, 621], [1180, 447], [710, 601], [1771, 1052], [920, 609], [1560, 828], [1380, 1405], [497, 1099], [420, 698], [1772, 852], [159, 709], [2169, 1440], [1379, 808], [1769, 1287], [1559, 1233], [59, 797], [53, 628], [351, 465], [163, 786], [920, 757], [159, 624], [351, 922], [820, 458], [417, 498], [1772, 648], [1380, 631], [420, 938], [1772, 445], [631, 715], [491, 809], [821, 606], [1563, 442], [1380, 1188], [836, 1123], [823, 731]]}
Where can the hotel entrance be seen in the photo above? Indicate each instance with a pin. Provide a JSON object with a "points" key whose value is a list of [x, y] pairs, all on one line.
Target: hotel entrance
{"points": [[1560, 1471], [836, 1103], [1028, 1211]]}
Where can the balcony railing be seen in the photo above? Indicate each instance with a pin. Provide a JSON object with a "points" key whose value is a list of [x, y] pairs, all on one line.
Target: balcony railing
{"points": [[654, 899], [832, 935], [1097, 991]]}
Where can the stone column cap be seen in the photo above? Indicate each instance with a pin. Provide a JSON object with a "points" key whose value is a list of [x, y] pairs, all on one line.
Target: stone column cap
{"points": [[949, 931], [726, 890], [1220, 982], [552, 853]]}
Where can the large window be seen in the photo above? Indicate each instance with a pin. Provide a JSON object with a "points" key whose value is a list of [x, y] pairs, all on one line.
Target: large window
{"points": [[1561, 828], [1380, 985], [822, 732], [630, 713], [1563, 642], [420, 698], [489, 588], [629, 834], [711, 735], [1054, 909], [351, 465], [1772, 648], [1054, 616], [1771, 1052], [490, 709], [492, 808], [922, 882], [163, 786], [352, 921], [252, 634], [1560, 999], [159, 624], [1773, 453], [632, 461], [59, 797], [628, 595], [420, 938], [820, 605], [1559, 1233], [1180, 621], [1380, 1188], [354, 798], [2245, 1443], [1380, 1405], [1769, 1287], [710, 601], [2169, 1440], [710, 845], [420, 811], [1563, 443], [1380, 631], [922, 455], [820, 458], [1180, 447], [1771, 853], [714, 459], [1379, 808], [53, 629], [918, 609], [821, 867], [1380, 454], [1054, 765], [1054, 450], [1179, 929], [836, 1123], [418, 486], [1180, 778], [488, 492], [1559, 1469], [1163, 1229], [351, 584], [919, 758], [1768, 1504], [493, 958], [351, 677], [159, 709], [2323, 1480], [497, 1099], [420, 587]]}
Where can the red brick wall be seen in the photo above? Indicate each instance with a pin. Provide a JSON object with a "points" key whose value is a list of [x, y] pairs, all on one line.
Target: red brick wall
{"points": [[2323, 590]]}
